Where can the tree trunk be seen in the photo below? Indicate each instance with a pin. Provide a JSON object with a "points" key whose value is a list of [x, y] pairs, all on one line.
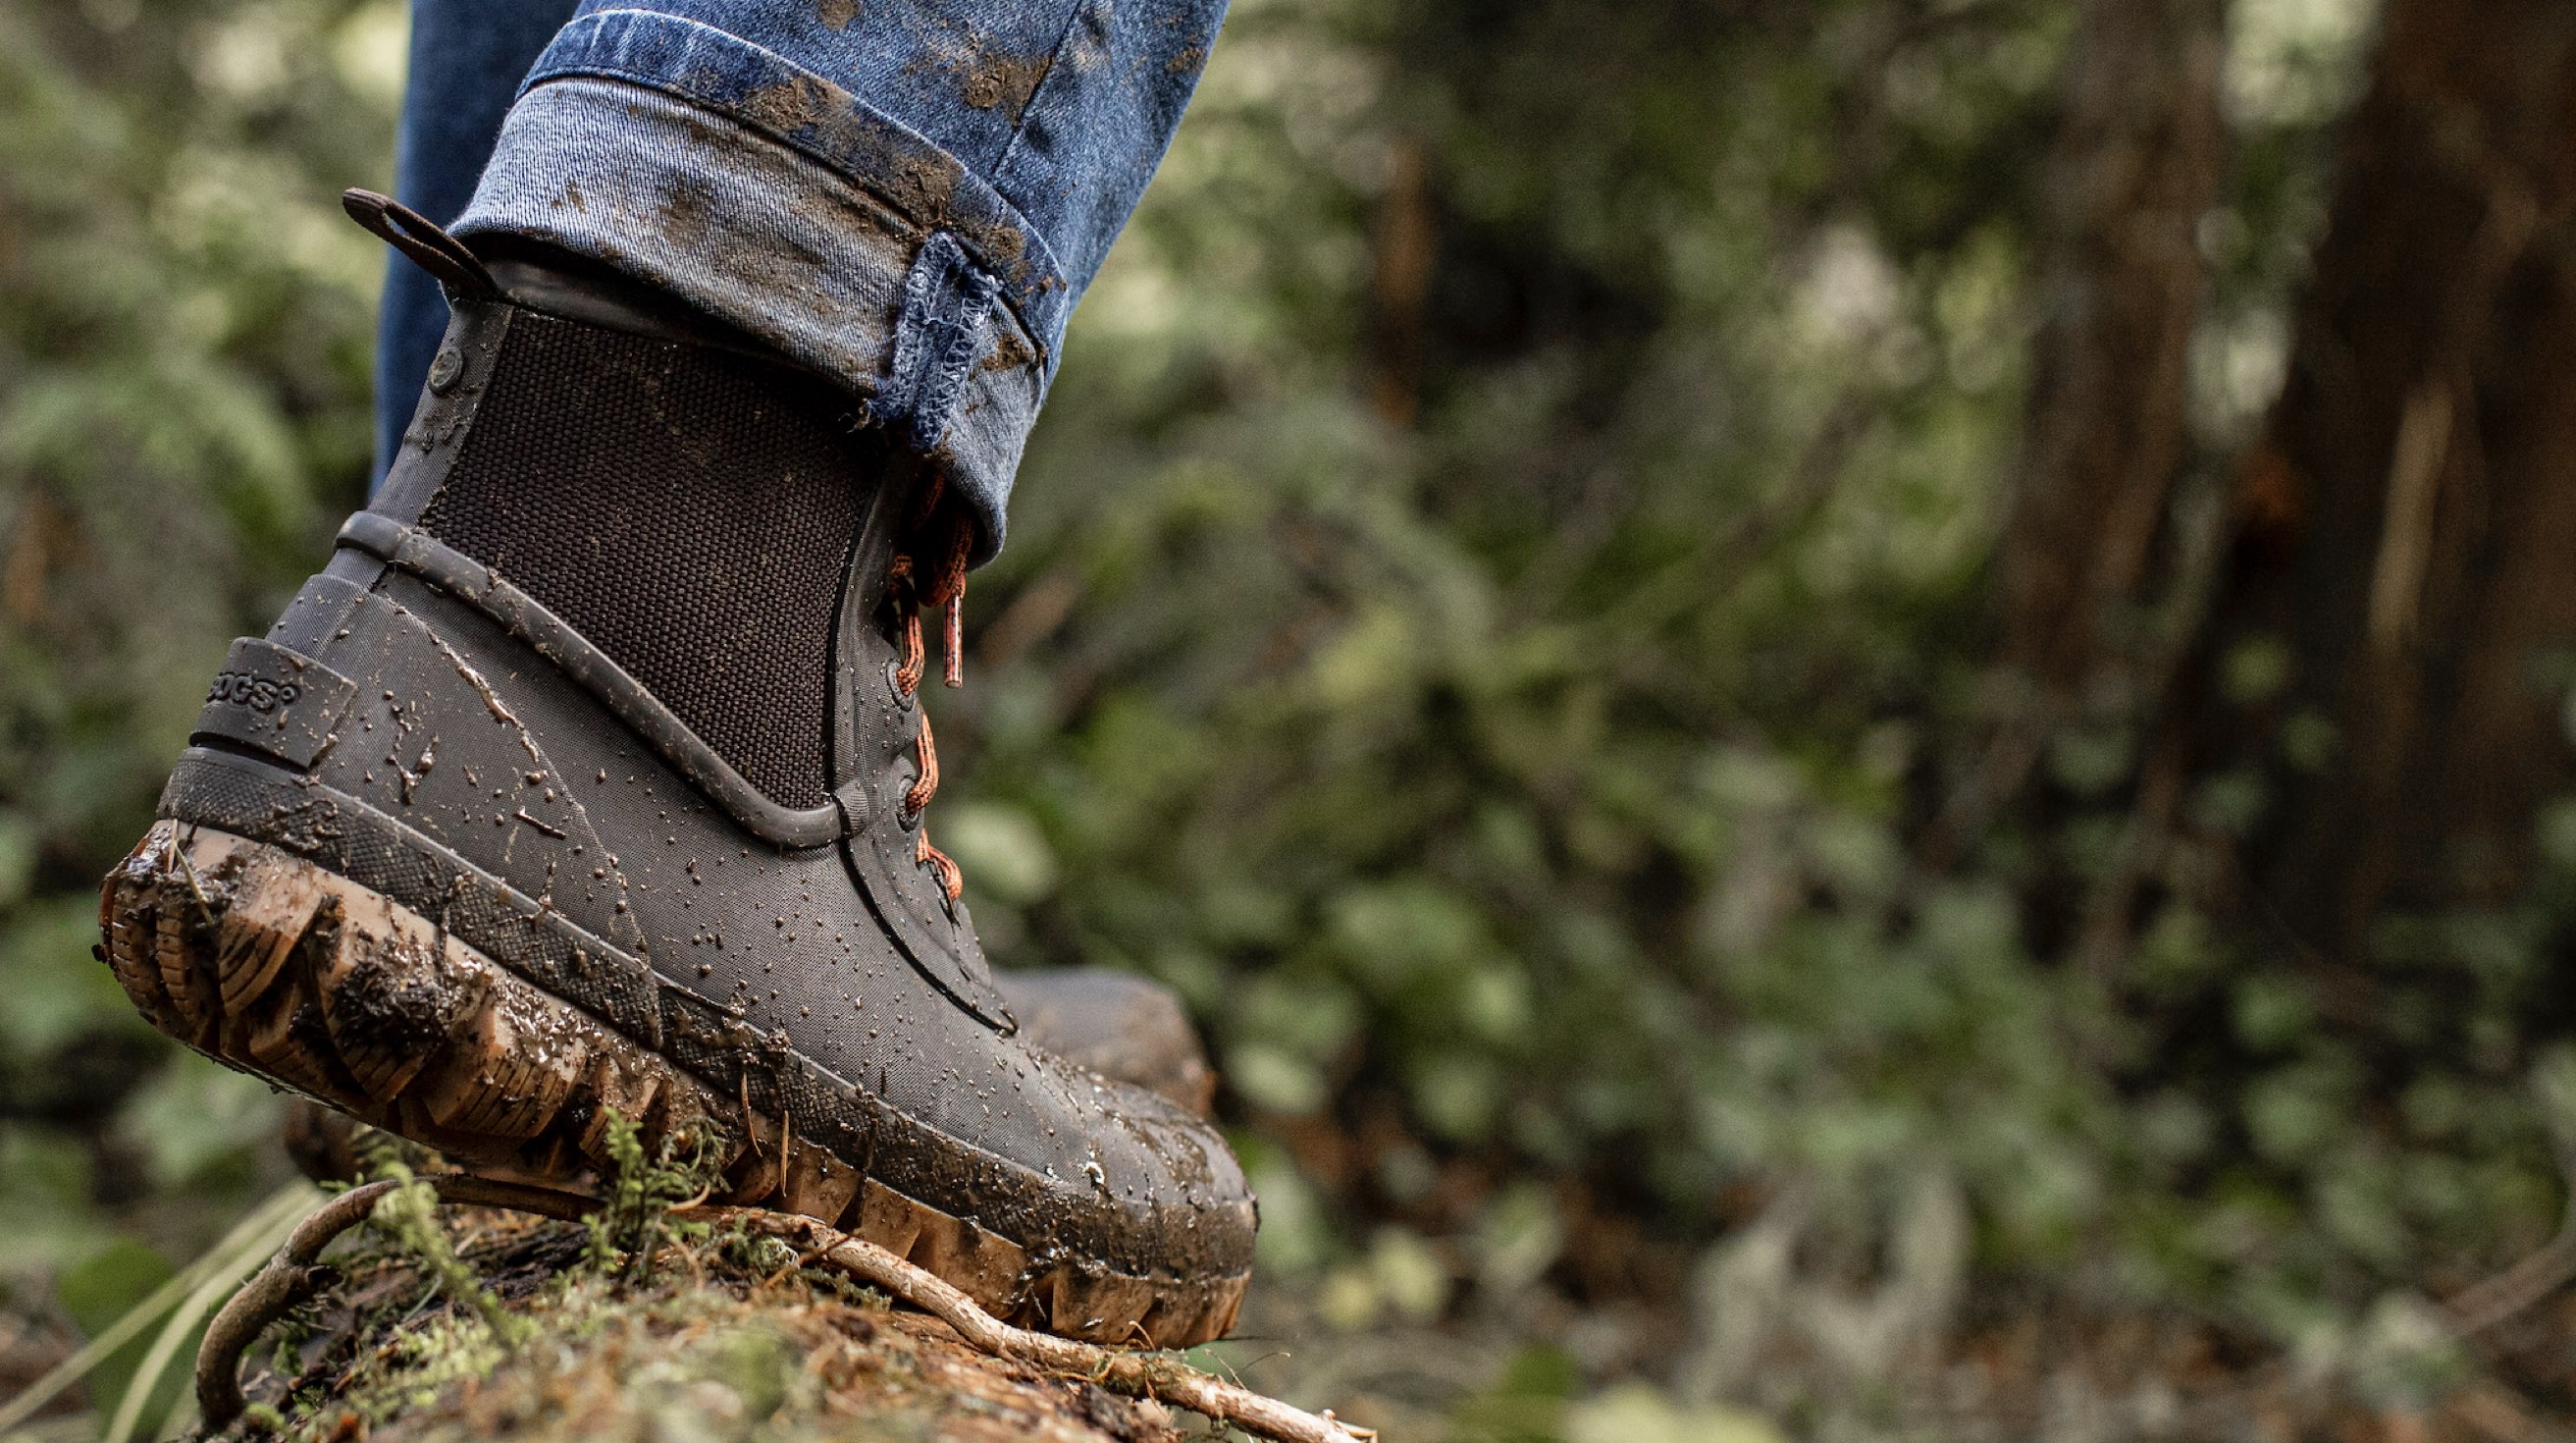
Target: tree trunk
{"points": [[2136, 166], [2405, 533]]}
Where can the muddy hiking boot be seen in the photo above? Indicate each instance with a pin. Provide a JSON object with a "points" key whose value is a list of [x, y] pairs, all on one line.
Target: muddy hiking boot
{"points": [[591, 776]]}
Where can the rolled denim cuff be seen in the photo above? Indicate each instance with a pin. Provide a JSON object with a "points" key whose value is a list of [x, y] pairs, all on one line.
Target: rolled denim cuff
{"points": [[833, 241]]}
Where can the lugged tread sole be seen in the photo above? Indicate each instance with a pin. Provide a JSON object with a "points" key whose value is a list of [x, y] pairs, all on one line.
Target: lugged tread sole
{"points": [[273, 965]]}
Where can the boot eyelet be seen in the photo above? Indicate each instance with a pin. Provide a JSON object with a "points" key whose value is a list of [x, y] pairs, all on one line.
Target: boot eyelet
{"points": [[445, 370], [894, 683]]}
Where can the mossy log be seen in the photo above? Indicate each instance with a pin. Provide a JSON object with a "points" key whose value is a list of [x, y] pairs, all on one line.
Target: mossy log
{"points": [[492, 1324]]}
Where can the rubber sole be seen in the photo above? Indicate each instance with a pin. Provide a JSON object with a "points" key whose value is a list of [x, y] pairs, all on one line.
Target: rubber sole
{"points": [[278, 967]]}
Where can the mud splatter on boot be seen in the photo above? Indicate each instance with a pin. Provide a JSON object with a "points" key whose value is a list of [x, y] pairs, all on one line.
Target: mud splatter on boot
{"points": [[589, 779]]}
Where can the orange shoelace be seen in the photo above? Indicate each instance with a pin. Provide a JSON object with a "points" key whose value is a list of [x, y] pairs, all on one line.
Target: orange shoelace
{"points": [[945, 588]]}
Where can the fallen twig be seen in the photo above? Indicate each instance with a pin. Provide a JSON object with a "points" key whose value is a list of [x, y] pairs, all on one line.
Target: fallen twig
{"points": [[1137, 1375], [2484, 1304], [292, 1274]]}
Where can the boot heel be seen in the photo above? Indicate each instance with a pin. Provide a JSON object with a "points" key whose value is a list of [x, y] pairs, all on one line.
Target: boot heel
{"points": [[274, 966]]}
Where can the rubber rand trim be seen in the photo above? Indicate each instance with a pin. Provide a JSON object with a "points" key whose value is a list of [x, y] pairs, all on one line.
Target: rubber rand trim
{"points": [[415, 553]]}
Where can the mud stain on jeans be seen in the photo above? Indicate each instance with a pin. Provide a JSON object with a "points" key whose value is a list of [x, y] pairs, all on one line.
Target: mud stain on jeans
{"points": [[688, 208], [1009, 352], [1008, 81], [919, 182]]}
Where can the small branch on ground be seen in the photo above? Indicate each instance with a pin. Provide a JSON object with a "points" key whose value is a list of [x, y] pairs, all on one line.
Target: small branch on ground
{"points": [[292, 1274], [2482, 1305], [1137, 1375]]}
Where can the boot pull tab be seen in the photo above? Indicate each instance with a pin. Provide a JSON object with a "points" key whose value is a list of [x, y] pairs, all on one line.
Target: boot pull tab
{"points": [[420, 238]]}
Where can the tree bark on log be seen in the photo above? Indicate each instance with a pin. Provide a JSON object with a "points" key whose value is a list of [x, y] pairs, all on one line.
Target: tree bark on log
{"points": [[500, 1324]]}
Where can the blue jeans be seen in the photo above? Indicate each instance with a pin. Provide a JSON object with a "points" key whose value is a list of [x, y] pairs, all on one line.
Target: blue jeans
{"points": [[908, 196]]}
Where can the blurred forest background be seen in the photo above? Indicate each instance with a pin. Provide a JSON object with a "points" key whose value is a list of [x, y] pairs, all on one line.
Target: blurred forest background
{"points": [[1853, 717]]}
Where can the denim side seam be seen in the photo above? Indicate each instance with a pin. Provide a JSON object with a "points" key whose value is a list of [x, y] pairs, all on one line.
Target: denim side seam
{"points": [[1073, 16], [947, 311]]}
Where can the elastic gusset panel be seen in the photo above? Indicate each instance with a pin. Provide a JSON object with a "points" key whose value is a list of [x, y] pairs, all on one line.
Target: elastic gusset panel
{"points": [[689, 510]]}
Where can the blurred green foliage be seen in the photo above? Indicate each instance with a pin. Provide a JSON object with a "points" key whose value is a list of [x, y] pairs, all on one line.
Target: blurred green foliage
{"points": [[1500, 577], [184, 334]]}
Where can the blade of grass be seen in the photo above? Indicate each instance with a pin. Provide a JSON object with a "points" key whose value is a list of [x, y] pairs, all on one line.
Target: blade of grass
{"points": [[278, 1210], [217, 1286]]}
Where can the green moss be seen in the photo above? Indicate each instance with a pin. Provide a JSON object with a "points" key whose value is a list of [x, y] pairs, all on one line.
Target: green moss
{"points": [[709, 1339], [640, 1193], [409, 1214]]}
